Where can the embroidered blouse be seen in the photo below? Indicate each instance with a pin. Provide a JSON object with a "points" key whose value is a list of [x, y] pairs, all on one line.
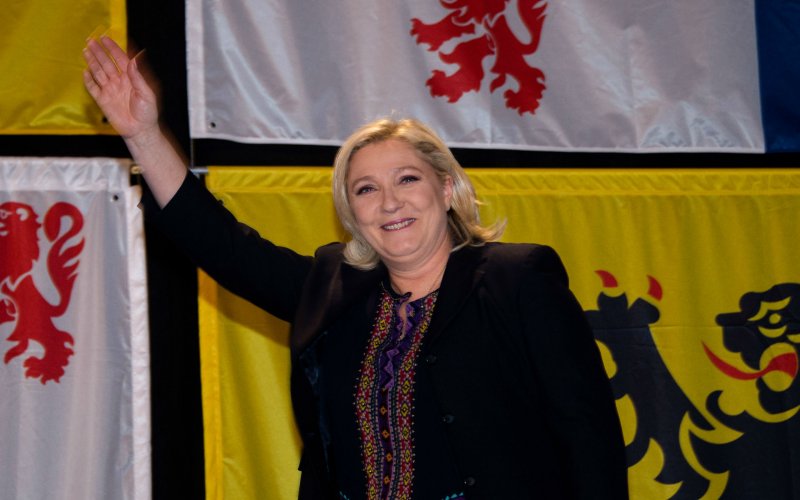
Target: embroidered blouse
{"points": [[387, 442]]}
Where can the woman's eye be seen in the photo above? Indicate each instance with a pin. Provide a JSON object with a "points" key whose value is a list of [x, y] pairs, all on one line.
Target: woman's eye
{"points": [[408, 178], [363, 190]]}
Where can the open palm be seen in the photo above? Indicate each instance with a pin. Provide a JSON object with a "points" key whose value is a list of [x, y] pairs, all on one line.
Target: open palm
{"points": [[116, 84]]}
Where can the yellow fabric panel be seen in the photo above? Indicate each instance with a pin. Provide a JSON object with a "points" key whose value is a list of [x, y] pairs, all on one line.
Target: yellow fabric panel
{"points": [[706, 236], [252, 447], [41, 86]]}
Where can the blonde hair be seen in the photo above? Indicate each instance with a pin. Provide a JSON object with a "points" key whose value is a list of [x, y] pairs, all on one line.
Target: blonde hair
{"points": [[463, 219]]}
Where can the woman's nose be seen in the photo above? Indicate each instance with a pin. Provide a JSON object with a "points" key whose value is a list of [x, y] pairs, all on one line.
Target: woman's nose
{"points": [[390, 201]]}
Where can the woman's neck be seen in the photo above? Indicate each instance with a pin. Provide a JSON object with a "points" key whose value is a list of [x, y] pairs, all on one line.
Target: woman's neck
{"points": [[422, 280]]}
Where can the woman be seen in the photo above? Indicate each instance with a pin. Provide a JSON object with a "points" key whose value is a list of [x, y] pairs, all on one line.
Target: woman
{"points": [[428, 361]]}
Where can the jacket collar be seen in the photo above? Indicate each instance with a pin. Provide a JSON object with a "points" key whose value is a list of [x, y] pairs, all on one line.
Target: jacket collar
{"points": [[462, 275], [338, 287], [332, 289]]}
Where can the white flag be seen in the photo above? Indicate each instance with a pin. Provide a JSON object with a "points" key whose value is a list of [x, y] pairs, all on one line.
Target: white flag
{"points": [[591, 75], [74, 411]]}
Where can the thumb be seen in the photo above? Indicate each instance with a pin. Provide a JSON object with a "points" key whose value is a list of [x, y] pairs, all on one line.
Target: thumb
{"points": [[143, 97], [142, 77], [137, 78]]}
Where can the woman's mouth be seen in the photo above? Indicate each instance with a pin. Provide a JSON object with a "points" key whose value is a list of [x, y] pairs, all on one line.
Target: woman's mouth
{"points": [[394, 226]]}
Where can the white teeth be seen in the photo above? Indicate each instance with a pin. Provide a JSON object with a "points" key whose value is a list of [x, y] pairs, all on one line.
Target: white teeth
{"points": [[398, 225]]}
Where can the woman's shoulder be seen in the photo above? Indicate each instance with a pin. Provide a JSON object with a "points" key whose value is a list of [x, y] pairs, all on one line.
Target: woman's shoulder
{"points": [[330, 251], [329, 263], [523, 259], [520, 253]]}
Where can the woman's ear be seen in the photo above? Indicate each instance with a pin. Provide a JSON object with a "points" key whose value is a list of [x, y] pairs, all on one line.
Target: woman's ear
{"points": [[447, 191]]}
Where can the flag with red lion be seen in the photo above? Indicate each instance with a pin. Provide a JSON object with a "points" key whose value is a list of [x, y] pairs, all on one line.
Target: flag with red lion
{"points": [[482, 31], [569, 75], [21, 301], [73, 331]]}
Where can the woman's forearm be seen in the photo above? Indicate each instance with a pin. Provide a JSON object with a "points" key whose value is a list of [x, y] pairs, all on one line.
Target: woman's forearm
{"points": [[162, 164]]}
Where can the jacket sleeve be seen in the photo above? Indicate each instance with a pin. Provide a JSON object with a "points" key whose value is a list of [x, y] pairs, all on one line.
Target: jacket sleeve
{"points": [[235, 255], [580, 406]]}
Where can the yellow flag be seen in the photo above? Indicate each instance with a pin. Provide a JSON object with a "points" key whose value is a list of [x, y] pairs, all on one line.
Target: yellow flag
{"points": [[252, 447], [41, 85], [690, 279]]}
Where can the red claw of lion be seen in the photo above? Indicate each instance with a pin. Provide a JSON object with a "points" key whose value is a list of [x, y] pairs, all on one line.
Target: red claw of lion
{"points": [[520, 102], [434, 35], [452, 87], [51, 365]]}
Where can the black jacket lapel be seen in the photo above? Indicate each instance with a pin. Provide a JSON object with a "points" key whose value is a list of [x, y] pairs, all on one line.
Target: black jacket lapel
{"points": [[462, 275], [333, 287]]}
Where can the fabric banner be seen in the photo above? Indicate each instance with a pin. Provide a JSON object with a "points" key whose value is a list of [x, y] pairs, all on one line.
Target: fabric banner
{"points": [[252, 447], [689, 278], [583, 75], [75, 406], [41, 87]]}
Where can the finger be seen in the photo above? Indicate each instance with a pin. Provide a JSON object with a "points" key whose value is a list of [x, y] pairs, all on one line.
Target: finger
{"points": [[138, 81], [90, 84], [95, 69], [93, 54], [103, 59], [93, 50], [115, 51]]}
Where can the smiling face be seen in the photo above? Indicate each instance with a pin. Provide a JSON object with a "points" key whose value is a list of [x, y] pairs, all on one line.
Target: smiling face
{"points": [[399, 204]]}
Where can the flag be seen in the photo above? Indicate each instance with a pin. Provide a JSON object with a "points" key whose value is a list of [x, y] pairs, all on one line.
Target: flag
{"points": [[41, 87], [689, 278], [252, 449], [75, 410], [578, 75]]}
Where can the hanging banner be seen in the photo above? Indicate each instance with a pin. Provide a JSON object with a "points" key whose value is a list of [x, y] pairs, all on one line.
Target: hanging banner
{"points": [[687, 277], [41, 87], [252, 449], [75, 407], [588, 75]]}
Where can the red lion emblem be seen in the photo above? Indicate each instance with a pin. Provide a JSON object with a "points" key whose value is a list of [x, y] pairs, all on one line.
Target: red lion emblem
{"points": [[20, 300], [487, 20]]}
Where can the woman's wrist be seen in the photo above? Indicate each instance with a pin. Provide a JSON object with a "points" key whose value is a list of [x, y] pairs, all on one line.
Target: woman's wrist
{"points": [[148, 138]]}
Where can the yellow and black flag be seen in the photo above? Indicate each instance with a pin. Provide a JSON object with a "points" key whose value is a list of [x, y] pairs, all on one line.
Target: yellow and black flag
{"points": [[690, 279]]}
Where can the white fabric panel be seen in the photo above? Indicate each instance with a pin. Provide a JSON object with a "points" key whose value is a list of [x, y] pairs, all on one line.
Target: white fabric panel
{"points": [[620, 75], [75, 406]]}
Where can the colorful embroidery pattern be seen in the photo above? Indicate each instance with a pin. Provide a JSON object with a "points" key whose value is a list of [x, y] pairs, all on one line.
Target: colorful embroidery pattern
{"points": [[455, 496], [384, 400]]}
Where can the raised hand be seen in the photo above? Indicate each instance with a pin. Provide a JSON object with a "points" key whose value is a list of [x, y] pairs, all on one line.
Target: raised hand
{"points": [[116, 84], [129, 102]]}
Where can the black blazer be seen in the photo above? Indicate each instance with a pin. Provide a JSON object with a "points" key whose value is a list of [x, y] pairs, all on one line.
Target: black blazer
{"points": [[512, 360]]}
